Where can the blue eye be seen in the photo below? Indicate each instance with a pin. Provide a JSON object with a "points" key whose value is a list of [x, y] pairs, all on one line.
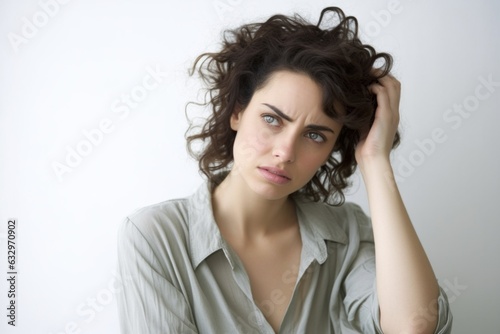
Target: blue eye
{"points": [[271, 120], [316, 137]]}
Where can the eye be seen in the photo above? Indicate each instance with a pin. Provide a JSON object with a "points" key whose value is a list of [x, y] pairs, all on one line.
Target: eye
{"points": [[271, 120], [316, 137]]}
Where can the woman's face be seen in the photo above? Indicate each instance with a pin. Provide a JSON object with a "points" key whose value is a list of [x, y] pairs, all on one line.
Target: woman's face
{"points": [[283, 136]]}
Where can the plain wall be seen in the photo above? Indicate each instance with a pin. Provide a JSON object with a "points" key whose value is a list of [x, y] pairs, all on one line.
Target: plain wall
{"points": [[66, 69]]}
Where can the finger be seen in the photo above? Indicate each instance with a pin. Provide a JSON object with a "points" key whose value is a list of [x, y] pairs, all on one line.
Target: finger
{"points": [[376, 72], [385, 112], [383, 100], [393, 87], [388, 81]]}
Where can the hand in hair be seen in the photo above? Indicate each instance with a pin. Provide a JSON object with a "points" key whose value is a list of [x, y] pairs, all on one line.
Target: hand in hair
{"points": [[377, 142]]}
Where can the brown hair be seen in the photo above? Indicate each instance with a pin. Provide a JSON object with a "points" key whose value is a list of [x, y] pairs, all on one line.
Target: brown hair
{"points": [[333, 57]]}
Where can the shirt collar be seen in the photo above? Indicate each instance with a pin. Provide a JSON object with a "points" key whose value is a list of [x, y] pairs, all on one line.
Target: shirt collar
{"points": [[204, 234], [317, 223]]}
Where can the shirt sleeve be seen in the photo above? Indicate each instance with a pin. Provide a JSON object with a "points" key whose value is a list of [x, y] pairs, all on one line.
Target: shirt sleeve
{"points": [[149, 303], [361, 300]]}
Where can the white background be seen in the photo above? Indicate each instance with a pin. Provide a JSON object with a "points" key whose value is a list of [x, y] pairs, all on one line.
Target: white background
{"points": [[68, 75]]}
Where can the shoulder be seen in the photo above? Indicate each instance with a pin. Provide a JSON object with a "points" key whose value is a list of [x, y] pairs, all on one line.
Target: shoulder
{"points": [[348, 217], [358, 221], [157, 224], [154, 240]]}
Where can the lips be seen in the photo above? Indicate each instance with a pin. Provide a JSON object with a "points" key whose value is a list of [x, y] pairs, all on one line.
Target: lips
{"points": [[274, 175]]}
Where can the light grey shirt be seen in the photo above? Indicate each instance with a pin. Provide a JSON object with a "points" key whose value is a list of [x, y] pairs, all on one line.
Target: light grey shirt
{"points": [[181, 276]]}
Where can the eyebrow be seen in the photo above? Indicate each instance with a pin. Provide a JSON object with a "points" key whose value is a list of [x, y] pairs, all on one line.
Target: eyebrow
{"points": [[289, 119]]}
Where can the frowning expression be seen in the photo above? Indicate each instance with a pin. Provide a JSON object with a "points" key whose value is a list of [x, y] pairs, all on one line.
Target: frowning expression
{"points": [[283, 136]]}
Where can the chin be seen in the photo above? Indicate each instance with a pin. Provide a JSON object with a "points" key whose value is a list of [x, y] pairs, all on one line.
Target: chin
{"points": [[271, 191], [266, 189]]}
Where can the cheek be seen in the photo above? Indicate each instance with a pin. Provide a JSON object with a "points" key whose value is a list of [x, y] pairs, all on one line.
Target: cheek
{"points": [[312, 162], [251, 143]]}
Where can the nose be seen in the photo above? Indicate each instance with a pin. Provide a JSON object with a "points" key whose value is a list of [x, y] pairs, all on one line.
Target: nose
{"points": [[284, 149]]}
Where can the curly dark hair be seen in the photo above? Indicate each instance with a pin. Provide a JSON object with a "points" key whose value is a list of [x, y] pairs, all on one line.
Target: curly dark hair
{"points": [[334, 57]]}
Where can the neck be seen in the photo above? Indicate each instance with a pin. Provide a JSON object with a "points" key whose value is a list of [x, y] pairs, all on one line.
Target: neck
{"points": [[241, 212]]}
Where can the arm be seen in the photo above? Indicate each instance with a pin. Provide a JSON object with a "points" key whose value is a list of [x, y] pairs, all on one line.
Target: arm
{"points": [[406, 283], [149, 302]]}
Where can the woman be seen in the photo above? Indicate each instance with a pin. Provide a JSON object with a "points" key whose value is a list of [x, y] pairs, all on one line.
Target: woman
{"points": [[260, 248]]}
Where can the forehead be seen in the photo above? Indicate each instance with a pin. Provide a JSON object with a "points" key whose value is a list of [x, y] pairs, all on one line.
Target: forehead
{"points": [[291, 89], [295, 93], [290, 81]]}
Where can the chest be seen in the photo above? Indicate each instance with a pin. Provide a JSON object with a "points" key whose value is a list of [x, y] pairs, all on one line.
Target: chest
{"points": [[272, 271], [239, 298]]}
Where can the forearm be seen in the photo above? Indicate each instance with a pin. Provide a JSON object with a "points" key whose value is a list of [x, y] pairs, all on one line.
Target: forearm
{"points": [[406, 283]]}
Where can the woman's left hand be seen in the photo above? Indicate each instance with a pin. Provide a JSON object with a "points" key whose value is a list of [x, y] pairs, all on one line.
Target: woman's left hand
{"points": [[377, 143]]}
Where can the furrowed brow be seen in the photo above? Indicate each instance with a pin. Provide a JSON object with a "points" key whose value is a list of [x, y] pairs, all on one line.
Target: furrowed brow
{"points": [[286, 117], [279, 112], [320, 128]]}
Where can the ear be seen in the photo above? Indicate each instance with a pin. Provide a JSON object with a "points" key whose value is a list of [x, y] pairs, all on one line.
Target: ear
{"points": [[235, 119]]}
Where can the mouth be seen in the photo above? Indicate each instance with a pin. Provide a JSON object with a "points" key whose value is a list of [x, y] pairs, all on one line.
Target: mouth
{"points": [[275, 175]]}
